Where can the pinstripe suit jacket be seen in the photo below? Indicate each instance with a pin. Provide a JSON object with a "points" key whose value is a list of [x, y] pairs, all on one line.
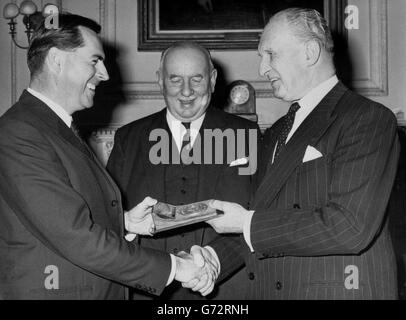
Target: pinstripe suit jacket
{"points": [[319, 228]]}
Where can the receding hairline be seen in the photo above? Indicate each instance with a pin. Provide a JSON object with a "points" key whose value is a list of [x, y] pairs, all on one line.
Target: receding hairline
{"points": [[280, 20], [179, 46], [304, 24]]}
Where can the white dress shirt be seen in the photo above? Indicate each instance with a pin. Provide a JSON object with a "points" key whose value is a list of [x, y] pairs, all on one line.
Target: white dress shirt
{"points": [[307, 105], [178, 130]]}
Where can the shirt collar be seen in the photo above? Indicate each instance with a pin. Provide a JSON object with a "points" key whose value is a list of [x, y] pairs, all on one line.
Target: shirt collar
{"points": [[310, 101], [314, 96], [60, 112], [178, 130]]}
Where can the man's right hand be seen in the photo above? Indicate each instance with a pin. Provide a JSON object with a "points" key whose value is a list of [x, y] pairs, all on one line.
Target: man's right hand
{"points": [[190, 269], [209, 256]]}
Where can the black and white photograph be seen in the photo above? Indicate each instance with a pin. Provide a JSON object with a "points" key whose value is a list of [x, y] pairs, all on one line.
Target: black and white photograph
{"points": [[209, 152]]}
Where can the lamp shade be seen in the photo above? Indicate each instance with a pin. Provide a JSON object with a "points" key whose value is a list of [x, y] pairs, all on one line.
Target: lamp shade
{"points": [[28, 7], [10, 11]]}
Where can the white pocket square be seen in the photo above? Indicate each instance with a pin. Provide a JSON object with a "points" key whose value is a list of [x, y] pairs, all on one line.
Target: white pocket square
{"points": [[311, 154], [239, 162]]}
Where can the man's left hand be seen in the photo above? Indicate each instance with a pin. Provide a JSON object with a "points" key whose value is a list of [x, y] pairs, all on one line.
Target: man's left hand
{"points": [[232, 221], [139, 219]]}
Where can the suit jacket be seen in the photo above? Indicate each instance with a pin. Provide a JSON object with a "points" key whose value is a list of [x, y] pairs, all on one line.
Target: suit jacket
{"points": [[61, 218], [137, 177], [319, 229]]}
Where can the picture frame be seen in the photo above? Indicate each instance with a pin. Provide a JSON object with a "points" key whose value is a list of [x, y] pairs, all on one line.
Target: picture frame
{"points": [[162, 22]]}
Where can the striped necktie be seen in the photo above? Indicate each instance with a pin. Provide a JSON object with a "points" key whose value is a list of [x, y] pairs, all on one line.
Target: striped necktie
{"points": [[186, 141], [186, 137]]}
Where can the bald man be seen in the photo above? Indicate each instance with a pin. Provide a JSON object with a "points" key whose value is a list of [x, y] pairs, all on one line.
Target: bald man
{"points": [[187, 79]]}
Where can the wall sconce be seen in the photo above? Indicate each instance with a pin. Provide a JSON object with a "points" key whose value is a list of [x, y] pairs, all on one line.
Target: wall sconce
{"points": [[27, 9]]}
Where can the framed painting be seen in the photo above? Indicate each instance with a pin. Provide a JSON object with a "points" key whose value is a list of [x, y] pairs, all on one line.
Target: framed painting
{"points": [[220, 24]]}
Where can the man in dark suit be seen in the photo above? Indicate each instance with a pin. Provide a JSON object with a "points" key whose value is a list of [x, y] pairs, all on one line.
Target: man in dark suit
{"points": [[61, 218], [187, 79], [317, 229]]}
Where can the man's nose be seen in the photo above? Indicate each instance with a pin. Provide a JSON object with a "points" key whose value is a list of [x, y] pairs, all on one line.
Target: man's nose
{"points": [[187, 91], [264, 68], [102, 73]]}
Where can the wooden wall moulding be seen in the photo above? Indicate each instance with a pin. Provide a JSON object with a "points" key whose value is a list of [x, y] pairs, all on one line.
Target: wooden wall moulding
{"points": [[377, 82]]}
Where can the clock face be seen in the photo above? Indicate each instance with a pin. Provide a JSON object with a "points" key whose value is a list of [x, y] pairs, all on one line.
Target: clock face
{"points": [[239, 94]]}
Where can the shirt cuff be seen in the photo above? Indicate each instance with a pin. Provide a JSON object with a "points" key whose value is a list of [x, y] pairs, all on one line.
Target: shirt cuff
{"points": [[246, 229], [173, 270], [130, 236], [214, 254]]}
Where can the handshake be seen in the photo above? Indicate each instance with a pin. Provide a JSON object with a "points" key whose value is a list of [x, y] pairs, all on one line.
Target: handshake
{"points": [[197, 270]]}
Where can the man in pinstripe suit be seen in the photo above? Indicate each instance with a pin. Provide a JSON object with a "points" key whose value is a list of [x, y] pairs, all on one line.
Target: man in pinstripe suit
{"points": [[317, 229]]}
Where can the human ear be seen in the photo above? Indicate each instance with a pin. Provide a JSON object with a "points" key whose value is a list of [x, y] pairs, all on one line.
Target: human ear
{"points": [[55, 60], [313, 51], [213, 78], [160, 79]]}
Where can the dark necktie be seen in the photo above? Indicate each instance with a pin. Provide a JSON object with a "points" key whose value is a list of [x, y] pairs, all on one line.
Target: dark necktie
{"points": [[186, 140], [75, 131], [186, 136], [287, 126]]}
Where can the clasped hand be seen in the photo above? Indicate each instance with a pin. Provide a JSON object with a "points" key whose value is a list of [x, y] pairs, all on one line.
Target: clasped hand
{"points": [[198, 270]]}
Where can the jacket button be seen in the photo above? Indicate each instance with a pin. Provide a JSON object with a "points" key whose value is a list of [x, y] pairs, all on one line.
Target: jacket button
{"points": [[175, 250], [114, 203], [251, 276], [278, 285], [183, 191], [296, 206]]}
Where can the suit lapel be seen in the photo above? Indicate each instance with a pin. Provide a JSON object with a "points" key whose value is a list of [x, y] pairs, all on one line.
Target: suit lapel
{"points": [[50, 121], [156, 173], [68, 135], [308, 133], [211, 171], [267, 147], [47, 120]]}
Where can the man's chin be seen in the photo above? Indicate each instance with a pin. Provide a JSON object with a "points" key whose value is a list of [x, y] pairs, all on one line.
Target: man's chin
{"points": [[187, 118], [278, 94], [188, 114], [88, 104]]}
